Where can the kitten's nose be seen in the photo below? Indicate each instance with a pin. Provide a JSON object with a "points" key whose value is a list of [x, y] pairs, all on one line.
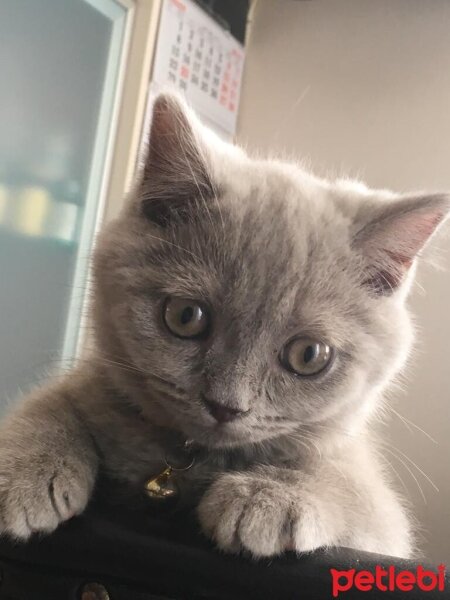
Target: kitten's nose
{"points": [[221, 412]]}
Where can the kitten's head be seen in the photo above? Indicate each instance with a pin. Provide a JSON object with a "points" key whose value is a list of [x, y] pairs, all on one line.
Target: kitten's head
{"points": [[246, 299]]}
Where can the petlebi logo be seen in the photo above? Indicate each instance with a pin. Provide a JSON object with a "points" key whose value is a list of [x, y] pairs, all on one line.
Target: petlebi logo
{"points": [[387, 580]]}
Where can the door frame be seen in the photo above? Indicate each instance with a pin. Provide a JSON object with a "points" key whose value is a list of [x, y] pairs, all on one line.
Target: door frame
{"points": [[113, 166]]}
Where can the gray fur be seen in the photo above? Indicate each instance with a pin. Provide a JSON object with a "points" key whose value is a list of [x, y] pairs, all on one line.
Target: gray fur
{"points": [[274, 252]]}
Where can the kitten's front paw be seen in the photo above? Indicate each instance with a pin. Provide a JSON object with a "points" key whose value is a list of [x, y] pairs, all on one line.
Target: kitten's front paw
{"points": [[265, 517], [39, 493]]}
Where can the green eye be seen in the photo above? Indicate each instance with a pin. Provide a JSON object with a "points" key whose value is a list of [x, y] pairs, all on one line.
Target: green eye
{"points": [[185, 318], [305, 356]]}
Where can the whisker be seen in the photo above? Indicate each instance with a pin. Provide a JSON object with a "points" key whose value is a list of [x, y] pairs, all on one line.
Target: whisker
{"points": [[120, 365], [276, 418], [430, 481], [155, 237], [180, 401], [391, 466], [155, 378], [159, 386], [410, 472], [412, 424]]}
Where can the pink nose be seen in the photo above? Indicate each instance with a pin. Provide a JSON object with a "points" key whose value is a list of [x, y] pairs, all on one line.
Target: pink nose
{"points": [[222, 413]]}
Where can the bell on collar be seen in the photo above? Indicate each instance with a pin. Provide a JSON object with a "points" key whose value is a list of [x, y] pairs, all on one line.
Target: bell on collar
{"points": [[162, 486]]}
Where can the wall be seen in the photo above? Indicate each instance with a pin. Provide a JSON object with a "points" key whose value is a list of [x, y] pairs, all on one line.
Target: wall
{"points": [[363, 88]]}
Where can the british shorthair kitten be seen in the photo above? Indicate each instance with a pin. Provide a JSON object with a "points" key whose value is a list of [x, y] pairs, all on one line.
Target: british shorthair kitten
{"points": [[252, 314]]}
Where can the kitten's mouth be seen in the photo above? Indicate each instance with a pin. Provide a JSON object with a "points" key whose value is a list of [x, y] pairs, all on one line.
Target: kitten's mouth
{"points": [[223, 427], [213, 433], [220, 427]]}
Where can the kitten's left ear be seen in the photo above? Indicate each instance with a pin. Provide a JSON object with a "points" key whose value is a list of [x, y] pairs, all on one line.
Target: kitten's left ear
{"points": [[175, 175], [394, 233]]}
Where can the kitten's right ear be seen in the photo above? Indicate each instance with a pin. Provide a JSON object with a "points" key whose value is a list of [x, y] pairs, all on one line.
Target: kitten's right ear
{"points": [[393, 234], [175, 174]]}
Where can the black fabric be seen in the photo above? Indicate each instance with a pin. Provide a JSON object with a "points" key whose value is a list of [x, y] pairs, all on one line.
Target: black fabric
{"points": [[140, 555]]}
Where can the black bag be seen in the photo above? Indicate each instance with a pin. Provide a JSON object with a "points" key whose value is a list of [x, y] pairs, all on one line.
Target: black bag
{"points": [[125, 554]]}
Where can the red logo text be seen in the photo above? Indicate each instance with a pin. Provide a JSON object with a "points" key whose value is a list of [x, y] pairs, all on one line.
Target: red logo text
{"points": [[388, 579]]}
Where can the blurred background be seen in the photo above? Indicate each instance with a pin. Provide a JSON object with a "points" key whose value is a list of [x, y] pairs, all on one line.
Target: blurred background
{"points": [[352, 87]]}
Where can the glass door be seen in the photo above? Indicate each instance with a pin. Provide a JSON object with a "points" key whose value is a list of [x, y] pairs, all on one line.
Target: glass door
{"points": [[61, 70]]}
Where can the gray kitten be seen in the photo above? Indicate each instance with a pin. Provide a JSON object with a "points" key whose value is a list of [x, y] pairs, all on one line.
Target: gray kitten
{"points": [[254, 310]]}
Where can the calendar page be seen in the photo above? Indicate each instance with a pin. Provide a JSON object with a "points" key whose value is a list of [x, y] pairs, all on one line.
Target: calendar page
{"points": [[196, 55]]}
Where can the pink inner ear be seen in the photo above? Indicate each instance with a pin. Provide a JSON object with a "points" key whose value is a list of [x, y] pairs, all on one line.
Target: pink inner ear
{"points": [[392, 242], [169, 127], [404, 235], [172, 150], [162, 119], [175, 173], [422, 227]]}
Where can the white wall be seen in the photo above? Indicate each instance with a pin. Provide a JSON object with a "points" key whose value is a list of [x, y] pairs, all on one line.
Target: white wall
{"points": [[363, 88]]}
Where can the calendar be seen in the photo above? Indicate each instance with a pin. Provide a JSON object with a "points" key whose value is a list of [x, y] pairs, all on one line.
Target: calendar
{"points": [[203, 60]]}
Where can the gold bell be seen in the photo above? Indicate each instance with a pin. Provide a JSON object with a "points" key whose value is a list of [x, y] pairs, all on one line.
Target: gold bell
{"points": [[161, 486], [94, 591]]}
